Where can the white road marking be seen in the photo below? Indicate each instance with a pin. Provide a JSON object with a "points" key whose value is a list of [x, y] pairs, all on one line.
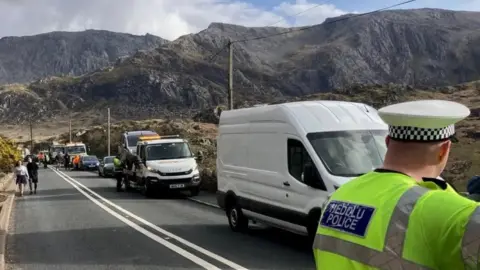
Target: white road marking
{"points": [[177, 249], [150, 235]]}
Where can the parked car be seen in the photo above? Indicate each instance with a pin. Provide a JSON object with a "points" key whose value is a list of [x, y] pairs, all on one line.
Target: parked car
{"points": [[106, 167], [88, 163]]}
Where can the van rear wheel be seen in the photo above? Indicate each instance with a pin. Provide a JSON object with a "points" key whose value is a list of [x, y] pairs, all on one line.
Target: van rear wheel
{"points": [[237, 221]]}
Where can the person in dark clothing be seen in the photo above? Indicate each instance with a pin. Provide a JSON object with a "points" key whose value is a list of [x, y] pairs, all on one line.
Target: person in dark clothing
{"points": [[67, 161], [473, 188], [32, 168], [118, 171]]}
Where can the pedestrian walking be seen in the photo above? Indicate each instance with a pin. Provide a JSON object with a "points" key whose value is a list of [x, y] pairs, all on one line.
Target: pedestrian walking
{"points": [[32, 168], [403, 216], [21, 174]]}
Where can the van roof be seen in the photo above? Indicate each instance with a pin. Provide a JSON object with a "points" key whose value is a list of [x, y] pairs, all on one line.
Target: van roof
{"points": [[312, 116]]}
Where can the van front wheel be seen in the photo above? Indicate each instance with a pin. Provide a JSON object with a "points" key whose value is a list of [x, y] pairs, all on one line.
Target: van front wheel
{"points": [[237, 221]]}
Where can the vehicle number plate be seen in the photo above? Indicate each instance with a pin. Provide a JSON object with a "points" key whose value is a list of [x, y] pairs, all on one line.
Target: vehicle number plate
{"points": [[92, 166], [177, 186]]}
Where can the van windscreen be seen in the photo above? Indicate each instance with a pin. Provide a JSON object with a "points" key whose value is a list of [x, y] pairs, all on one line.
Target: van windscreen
{"points": [[168, 151], [350, 153]]}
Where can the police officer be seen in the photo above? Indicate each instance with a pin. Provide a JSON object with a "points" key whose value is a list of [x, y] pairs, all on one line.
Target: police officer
{"points": [[118, 171], [400, 216]]}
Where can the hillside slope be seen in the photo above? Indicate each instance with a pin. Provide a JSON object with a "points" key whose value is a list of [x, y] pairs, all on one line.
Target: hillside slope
{"points": [[23, 59], [464, 159], [420, 47]]}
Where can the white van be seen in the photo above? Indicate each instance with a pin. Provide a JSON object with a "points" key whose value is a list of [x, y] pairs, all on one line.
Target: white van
{"points": [[277, 164]]}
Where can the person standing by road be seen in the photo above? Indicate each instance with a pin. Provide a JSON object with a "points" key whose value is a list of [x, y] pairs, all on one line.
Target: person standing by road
{"points": [[118, 171], [400, 216], [21, 174], [32, 168], [67, 161]]}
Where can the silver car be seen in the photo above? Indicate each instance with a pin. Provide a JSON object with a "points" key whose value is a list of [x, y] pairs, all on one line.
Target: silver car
{"points": [[106, 167]]}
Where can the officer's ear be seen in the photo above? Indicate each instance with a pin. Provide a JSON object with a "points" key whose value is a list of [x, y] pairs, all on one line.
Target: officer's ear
{"points": [[387, 140], [444, 149]]}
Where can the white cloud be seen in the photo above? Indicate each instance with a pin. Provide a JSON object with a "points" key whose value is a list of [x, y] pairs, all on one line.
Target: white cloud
{"points": [[166, 18], [308, 13]]}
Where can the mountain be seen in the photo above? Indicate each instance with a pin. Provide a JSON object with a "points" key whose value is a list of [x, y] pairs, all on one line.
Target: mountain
{"points": [[423, 47], [23, 59]]}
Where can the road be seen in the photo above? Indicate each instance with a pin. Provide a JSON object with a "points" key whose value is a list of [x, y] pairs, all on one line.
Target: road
{"points": [[78, 221]]}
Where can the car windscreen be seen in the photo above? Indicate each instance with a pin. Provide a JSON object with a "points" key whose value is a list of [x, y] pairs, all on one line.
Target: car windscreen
{"points": [[168, 151], [90, 158], [350, 153], [108, 160], [75, 149]]}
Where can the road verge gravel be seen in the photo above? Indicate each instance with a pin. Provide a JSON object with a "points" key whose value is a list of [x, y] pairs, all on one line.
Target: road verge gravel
{"points": [[7, 195]]}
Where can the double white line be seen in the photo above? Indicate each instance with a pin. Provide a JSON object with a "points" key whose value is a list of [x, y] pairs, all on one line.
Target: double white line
{"points": [[102, 202]]}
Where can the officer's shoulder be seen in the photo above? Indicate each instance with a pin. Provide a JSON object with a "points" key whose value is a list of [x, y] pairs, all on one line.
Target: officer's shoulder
{"points": [[443, 198]]}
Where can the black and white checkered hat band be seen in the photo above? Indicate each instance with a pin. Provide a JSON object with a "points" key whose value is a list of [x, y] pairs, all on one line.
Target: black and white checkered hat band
{"points": [[420, 134]]}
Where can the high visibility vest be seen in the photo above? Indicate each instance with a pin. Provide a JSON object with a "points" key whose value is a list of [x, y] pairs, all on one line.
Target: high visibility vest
{"points": [[386, 220], [117, 163]]}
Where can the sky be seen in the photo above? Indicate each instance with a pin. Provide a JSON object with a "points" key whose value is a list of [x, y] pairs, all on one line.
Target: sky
{"points": [[173, 18]]}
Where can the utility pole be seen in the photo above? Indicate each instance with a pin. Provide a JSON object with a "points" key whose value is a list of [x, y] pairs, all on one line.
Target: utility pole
{"points": [[31, 134], [70, 125], [230, 75], [108, 132]]}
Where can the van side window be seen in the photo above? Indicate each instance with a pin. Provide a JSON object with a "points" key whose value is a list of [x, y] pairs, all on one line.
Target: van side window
{"points": [[298, 157]]}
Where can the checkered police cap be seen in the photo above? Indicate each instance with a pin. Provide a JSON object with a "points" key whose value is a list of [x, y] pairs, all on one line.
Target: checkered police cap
{"points": [[406, 133], [423, 120]]}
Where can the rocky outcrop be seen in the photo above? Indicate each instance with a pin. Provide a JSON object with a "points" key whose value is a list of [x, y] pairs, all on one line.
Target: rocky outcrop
{"points": [[28, 58]]}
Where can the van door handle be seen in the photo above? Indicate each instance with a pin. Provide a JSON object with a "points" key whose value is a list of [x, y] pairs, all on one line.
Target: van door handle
{"points": [[286, 184]]}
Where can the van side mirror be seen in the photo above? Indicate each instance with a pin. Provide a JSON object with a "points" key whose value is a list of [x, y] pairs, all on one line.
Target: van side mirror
{"points": [[310, 176]]}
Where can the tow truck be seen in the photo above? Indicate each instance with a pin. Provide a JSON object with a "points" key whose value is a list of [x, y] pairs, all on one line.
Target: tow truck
{"points": [[163, 163], [128, 147], [54, 149]]}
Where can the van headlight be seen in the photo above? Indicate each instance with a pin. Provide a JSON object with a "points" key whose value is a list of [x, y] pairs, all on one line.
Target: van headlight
{"points": [[150, 169]]}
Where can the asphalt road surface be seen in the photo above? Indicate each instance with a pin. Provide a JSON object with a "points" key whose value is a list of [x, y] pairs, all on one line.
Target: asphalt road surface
{"points": [[78, 221]]}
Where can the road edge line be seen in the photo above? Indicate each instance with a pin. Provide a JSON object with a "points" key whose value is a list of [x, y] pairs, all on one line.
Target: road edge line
{"points": [[203, 202], [158, 229], [5, 213]]}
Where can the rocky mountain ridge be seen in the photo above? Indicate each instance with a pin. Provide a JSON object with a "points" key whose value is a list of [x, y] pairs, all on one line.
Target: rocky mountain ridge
{"points": [[28, 58], [429, 47]]}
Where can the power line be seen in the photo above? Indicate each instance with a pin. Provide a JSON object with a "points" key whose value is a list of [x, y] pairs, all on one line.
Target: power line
{"points": [[329, 22], [301, 12], [308, 27], [291, 16]]}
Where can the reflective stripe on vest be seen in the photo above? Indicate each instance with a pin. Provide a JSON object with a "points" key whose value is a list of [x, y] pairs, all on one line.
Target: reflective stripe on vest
{"points": [[391, 256]]}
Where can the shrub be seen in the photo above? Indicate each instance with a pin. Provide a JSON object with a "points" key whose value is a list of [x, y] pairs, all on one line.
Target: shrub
{"points": [[9, 154]]}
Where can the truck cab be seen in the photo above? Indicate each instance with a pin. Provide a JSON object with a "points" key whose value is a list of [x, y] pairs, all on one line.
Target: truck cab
{"points": [[166, 163], [54, 149], [128, 147], [74, 149]]}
